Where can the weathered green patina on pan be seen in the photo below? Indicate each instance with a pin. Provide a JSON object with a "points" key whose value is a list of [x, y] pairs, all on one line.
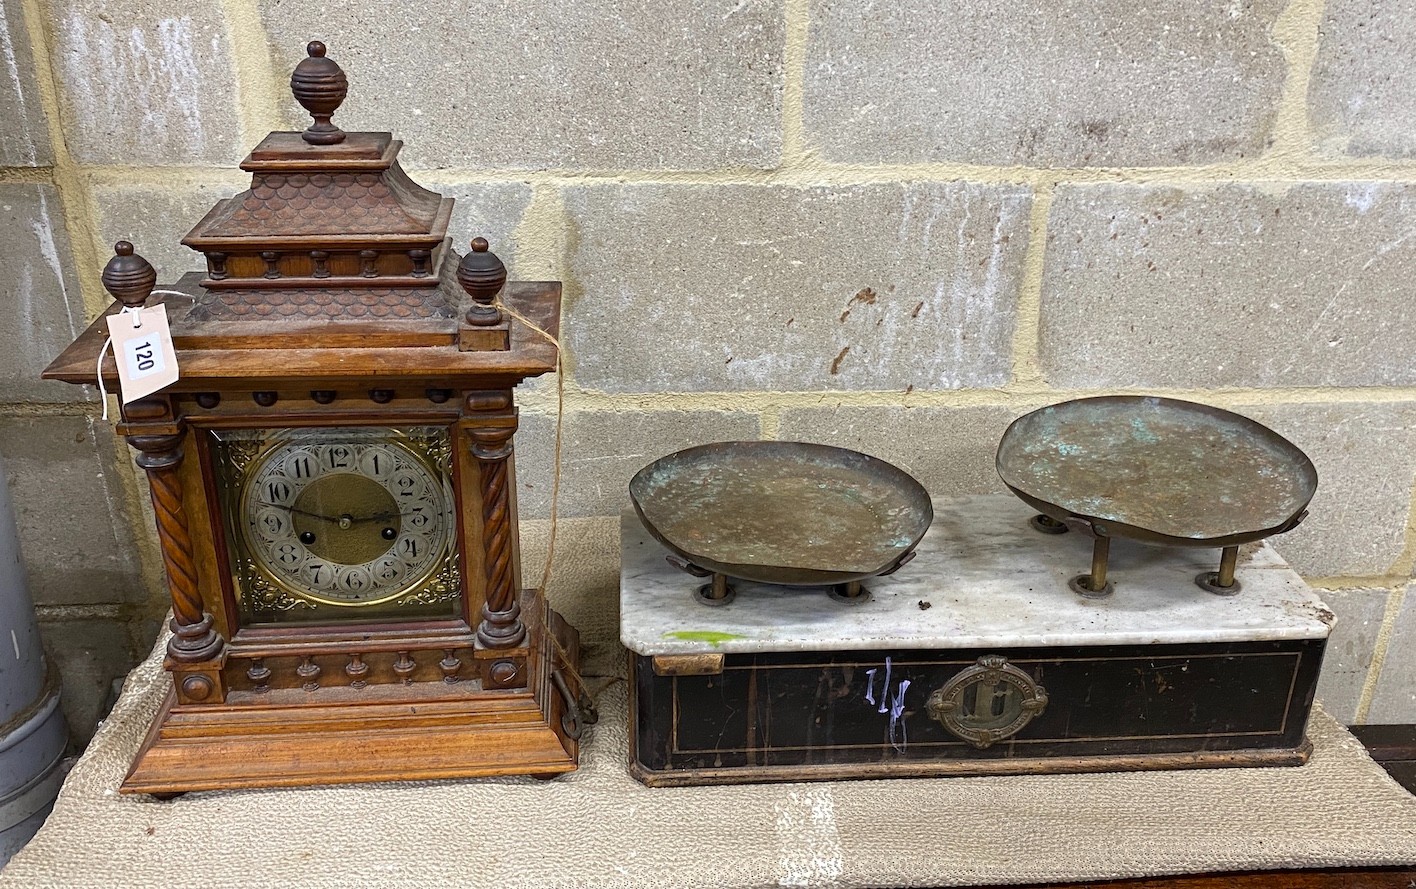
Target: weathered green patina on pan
{"points": [[782, 512], [1158, 470]]}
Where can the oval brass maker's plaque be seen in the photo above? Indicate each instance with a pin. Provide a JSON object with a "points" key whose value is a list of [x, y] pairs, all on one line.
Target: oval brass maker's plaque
{"points": [[987, 702]]}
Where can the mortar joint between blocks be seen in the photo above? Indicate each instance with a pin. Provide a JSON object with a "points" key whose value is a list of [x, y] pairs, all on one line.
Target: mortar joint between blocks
{"points": [[1379, 653]]}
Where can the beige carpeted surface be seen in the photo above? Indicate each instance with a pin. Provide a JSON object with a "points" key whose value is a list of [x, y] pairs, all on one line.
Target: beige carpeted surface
{"points": [[598, 827]]}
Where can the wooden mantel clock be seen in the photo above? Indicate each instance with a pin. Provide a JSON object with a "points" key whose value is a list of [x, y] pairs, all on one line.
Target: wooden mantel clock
{"points": [[333, 483]]}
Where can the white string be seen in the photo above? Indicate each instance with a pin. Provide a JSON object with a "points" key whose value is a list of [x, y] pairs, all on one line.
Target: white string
{"points": [[174, 293], [135, 311]]}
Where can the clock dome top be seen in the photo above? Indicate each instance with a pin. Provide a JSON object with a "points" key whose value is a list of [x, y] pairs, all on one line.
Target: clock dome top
{"points": [[334, 264], [328, 210]]}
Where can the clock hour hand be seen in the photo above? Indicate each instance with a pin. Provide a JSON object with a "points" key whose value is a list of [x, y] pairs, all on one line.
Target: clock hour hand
{"points": [[385, 516]]}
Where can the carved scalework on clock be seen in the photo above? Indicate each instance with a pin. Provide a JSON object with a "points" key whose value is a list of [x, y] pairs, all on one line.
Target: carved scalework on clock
{"points": [[354, 302], [315, 203]]}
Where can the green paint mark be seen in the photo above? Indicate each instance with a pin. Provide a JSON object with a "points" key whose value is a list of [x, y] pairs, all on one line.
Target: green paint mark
{"points": [[709, 636]]}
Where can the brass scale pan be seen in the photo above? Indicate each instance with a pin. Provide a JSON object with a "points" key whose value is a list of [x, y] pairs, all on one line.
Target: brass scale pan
{"points": [[1158, 470], [781, 512], [1152, 469]]}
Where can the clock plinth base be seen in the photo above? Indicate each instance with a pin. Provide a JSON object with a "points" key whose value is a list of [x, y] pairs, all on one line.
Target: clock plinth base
{"points": [[427, 730]]}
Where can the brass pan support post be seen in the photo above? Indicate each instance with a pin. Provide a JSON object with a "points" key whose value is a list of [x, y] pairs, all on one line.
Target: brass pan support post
{"points": [[1095, 585], [1222, 582]]}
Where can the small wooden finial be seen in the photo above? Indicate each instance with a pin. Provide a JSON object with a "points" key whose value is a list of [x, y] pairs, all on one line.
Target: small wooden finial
{"points": [[319, 84], [129, 277], [482, 275]]}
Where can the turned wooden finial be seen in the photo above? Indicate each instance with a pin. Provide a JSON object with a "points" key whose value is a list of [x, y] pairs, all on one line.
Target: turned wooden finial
{"points": [[128, 276], [320, 85], [482, 275]]}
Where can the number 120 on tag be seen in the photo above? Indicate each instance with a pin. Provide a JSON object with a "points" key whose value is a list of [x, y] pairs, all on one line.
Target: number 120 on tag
{"points": [[142, 348], [143, 357]]}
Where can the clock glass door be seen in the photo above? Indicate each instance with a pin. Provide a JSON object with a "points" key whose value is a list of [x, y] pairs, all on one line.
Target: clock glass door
{"points": [[330, 525]]}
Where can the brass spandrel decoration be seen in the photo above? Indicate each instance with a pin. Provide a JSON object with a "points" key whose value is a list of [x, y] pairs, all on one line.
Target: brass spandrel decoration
{"points": [[262, 595], [445, 587], [435, 445], [238, 453]]}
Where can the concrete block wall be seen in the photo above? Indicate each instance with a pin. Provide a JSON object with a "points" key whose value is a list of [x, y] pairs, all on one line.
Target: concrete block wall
{"points": [[893, 226]]}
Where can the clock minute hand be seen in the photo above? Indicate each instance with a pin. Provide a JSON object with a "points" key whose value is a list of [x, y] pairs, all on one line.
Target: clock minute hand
{"points": [[304, 512]]}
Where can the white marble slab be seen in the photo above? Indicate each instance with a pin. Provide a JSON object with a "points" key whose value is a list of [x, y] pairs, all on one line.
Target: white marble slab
{"points": [[990, 581]]}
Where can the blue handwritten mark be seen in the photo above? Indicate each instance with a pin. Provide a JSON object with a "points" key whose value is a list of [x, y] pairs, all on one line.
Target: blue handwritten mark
{"points": [[885, 690], [897, 725], [870, 685]]}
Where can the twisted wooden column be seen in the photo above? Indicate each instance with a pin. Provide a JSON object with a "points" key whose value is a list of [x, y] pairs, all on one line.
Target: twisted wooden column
{"points": [[501, 625], [193, 638]]}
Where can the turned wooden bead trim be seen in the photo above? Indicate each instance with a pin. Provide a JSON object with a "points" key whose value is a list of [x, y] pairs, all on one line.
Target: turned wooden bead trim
{"points": [[357, 670], [310, 672], [404, 666], [482, 275], [129, 277], [319, 84], [259, 674]]}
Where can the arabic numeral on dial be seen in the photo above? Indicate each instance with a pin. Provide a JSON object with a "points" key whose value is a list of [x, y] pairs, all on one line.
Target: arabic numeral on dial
{"points": [[417, 518], [272, 523], [300, 466], [288, 555], [356, 580], [338, 457], [279, 492], [388, 571], [406, 483], [377, 463], [318, 574], [409, 547]]}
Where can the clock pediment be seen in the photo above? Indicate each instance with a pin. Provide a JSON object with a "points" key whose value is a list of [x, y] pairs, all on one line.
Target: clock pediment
{"points": [[332, 252]]}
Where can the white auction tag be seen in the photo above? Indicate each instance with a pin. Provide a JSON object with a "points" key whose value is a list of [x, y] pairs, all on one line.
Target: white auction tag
{"points": [[142, 346]]}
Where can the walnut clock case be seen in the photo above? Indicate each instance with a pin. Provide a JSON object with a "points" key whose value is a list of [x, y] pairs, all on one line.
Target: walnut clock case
{"points": [[333, 483]]}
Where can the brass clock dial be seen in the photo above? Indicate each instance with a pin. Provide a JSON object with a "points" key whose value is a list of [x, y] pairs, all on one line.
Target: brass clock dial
{"points": [[346, 523], [345, 518]]}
